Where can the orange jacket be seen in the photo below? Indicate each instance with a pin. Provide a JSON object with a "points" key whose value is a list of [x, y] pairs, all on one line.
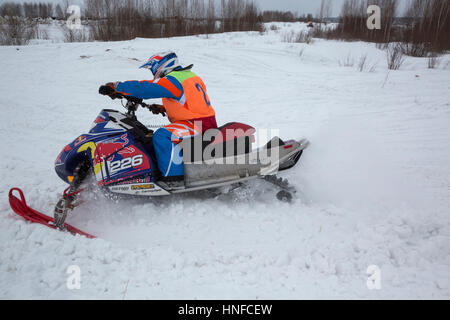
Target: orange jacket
{"points": [[183, 94]]}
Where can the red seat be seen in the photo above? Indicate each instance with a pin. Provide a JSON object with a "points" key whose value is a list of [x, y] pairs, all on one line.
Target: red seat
{"points": [[234, 130], [235, 137]]}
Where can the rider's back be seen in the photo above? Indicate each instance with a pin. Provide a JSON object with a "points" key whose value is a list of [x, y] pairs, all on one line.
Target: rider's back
{"points": [[194, 103]]}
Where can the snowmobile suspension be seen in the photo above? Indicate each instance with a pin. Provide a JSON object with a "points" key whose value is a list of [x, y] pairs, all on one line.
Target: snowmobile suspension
{"points": [[285, 194], [69, 196]]}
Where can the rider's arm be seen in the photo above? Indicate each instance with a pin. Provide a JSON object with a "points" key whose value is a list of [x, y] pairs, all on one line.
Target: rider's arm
{"points": [[146, 89]]}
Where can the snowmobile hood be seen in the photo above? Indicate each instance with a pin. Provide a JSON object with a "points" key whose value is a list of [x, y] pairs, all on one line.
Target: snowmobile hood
{"points": [[70, 156]]}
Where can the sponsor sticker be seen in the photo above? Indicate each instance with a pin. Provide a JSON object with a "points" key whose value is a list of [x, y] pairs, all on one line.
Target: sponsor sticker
{"points": [[139, 189], [142, 186]]}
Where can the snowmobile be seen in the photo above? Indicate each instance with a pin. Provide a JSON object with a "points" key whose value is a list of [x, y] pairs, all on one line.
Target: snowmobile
{"points": [[118, 151]]}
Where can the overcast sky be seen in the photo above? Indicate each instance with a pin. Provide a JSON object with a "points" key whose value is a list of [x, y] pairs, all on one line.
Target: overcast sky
{"points": [[299, 6]]}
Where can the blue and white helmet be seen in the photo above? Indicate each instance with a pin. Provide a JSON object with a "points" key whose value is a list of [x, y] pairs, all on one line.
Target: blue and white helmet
{"points": [[162, 63]]}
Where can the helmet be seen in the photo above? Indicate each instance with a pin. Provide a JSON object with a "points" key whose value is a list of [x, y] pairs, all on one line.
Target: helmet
{"points": [[162, 63]]}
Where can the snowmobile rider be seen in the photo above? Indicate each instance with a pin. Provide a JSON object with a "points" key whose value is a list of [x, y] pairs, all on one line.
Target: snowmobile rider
{"points": [[185, 101]]}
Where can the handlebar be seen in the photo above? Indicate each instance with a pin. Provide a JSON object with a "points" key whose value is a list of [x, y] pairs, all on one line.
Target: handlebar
{"points": [[133, 104]]}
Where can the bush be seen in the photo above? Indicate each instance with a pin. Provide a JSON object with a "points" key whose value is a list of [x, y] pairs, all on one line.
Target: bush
{"points": [[17, 30], [394, 56], [415, 49], [318, 31], [433, 61], [273, 27], [348, 61], [297, 37], [362, 62], [76, 35], [447, 65]]}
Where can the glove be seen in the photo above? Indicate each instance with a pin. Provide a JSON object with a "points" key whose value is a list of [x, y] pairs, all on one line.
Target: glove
{"points": [[157, 109], [108, 89]]}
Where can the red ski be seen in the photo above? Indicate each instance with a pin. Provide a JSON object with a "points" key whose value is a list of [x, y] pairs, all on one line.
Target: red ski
{"points": [[20, 207]]}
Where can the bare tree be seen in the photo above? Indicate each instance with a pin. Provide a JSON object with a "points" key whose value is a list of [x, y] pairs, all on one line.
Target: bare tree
{"points": [[10, 9], [430, 25], [126, 19], [324, 10], [211, 17]]}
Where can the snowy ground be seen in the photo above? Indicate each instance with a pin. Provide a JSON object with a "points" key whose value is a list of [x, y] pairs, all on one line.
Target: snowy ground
{"points": [[375, 182]]}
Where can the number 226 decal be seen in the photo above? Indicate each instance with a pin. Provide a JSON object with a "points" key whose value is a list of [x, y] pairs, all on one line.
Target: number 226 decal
{"points": [[124, 164]]}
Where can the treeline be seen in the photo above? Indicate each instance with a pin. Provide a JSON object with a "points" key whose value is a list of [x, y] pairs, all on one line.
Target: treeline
{"points": [[323, 14], [19, 22], [425, 29], [112, 20], [281, 16], [127, 19], [31, 10], [288, 16], [353, 21], [428, 25]]}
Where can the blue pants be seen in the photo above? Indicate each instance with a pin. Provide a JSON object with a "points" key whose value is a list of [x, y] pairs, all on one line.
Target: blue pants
{"points": [[168, 153]]}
